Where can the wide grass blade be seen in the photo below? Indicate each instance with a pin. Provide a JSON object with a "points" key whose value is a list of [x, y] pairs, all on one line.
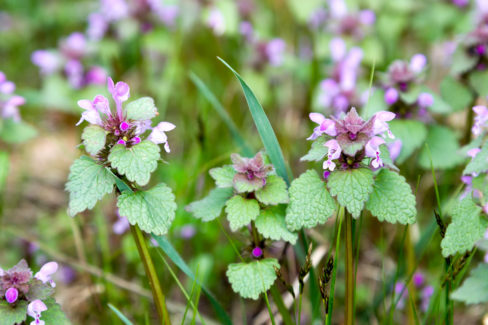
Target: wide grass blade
{"points": [[119, 314], [268, 137]]}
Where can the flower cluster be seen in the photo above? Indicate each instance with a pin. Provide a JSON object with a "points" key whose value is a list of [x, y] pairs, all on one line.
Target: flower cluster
{"points": [[250, 171], [122, 129], [339, 92], [351, 138], [9, 102], [18, 284]]}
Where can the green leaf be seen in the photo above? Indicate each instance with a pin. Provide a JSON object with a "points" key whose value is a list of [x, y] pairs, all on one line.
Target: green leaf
{"points": [[39, 290], [455, 93], [462, 61], [251, 279], [466, 228], [264, 128], [87, 183], [479, 164], [271, 224], [479, 81], [352, 188], [141, 109], [13, 314], [211, 206], [241, 211], [474, 289], [412, 133], [93, 139], [137, 162], [54, 314], [392, 199], [318, 150], [223, 176], [4, 168], [119, 314], [242, 185], [310, 202], [274, 192], [444, 149], [152, 210], [16, 132]]}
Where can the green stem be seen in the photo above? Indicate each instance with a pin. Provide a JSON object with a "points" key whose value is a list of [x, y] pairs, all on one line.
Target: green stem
{"points": [[157, 292], [300, 308], [349, 310], [334, 270]]}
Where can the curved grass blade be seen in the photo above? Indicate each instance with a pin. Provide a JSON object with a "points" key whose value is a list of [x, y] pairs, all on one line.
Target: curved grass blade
{"points": [[119, 314], [217, 106], [265, 129]]}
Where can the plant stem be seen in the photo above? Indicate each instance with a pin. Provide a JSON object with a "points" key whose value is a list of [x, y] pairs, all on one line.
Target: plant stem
{"points": [[157, 292], [349, 310], [410, 270], [334, 270]]}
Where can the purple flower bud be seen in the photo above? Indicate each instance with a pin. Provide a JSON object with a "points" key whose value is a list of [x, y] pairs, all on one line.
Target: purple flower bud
{"points": [[425, 100], [257, 252], [481, 49], [121, 141], [418, 279], [124, 126], [135, 140], [11, 295], [391, 96], [326, 174]]}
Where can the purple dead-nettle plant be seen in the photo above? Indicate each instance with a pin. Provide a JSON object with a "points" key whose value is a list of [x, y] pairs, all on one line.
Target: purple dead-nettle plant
{"points": [[254, 199], [23, 294], [359, 175], [343, 22], [9, 102], [340, 92]]}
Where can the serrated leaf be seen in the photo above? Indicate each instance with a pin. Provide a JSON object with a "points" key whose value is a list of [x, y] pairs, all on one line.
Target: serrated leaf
{"points": [[87, 183], [392, 199], [211, 206], [141, 109], [54, 314], [93, 139], [13, 314], [318, 150], [479, 164], [241, 211], [352, 188], [455, 93], [310, 202], [466, 228], [271, 224], [474, 289], [223, 176], [412, 133], [249, 280], [137, 162], [39, 290], [444, 149], [152, 210], [274, 192]]}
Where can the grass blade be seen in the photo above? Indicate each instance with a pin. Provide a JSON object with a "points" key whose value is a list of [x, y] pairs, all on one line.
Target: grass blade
{"points": [[119, 314]]}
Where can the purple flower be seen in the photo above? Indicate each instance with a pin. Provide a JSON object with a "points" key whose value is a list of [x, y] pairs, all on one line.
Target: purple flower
{"points": [[11, 295], [74, 72], [34, 310], [372, 150], [252, 171], [246, 30], [334, 152], [9, 103], [367, 17], [48, 61], [480, 119], [338, 8], [399, 288], [425, 100], [158, 134], [417, 63], [391, 96], [460, 3], [96, 76], [275, 50], [97, 26], [257, 252], [17, 277], [337, 49], [74, 46], [418, 279], [216, 21], [45, 273], [427, 293], [121, 225], [114, 10], [167, 14], [380, 126], [326, 126], [187, 231], [395, 148]]}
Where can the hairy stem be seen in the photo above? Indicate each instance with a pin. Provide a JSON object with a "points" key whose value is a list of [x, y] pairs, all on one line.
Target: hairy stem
{"points": [[157, 292], [349, 310]]}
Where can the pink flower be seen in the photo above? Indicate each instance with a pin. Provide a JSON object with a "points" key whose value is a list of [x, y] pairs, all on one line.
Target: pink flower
{"points": [[45, 273], [216, 21], [158, 134], [425, 100], [380, 126], [92, 112], [34, 310], [417, 63], [326, 126], [120, 93], [372, 150], [47, 61], [334, 152], [11, 295], [480, 119], [391, 96]]}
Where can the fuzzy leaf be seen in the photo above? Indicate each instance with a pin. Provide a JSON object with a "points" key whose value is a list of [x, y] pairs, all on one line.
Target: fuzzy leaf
{"points": [[318, 150], [455, 93], [137, 162], [444, 149], [466, 228], [392, 199], [271, 224], [251, 279], [274, 192], [310, 202], [93, 139], [141, 109], [54, 314], [352, 188], [39, 290], [223, 176], [152, 210], [241, 211], [412, 133], [87, 183], [13, 314], [479, 164], [474, 289], [210, 206]]}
